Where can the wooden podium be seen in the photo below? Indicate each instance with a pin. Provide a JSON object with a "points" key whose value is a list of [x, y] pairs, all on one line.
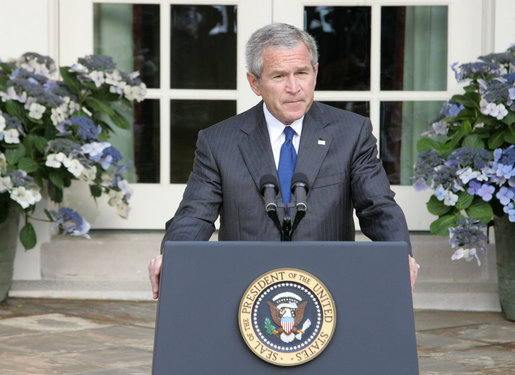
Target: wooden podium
{"points": [[203, 284]]}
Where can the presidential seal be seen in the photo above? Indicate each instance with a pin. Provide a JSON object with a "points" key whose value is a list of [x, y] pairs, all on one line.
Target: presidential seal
{"points": [[287, 317]]}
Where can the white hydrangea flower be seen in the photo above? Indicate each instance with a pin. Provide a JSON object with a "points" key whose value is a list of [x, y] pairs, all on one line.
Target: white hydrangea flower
{"points": [[107, 179], [113, 78], [25, 197], [89, 174], [58, 114], [3, 163], [5, 184], [11, 136], [75, 167], [97, 77], [116, 200], [2, 122], [450, 198], [466, 174], [36, 111], [467, 254], [125, 188], [55, 160]]}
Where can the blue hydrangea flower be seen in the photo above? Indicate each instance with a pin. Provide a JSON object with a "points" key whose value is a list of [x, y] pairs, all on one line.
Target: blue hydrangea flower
{"points": [[70, 222]]}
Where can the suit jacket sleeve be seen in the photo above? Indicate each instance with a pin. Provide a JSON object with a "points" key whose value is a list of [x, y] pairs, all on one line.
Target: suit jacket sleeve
{"points": [[200, 206], [380, 218]]}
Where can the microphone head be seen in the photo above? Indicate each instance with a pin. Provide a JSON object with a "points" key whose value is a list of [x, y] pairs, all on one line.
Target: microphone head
{"points": [[269, 180], [299, 178]]}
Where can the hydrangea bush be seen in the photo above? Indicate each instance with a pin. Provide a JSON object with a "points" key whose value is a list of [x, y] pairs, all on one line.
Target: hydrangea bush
{"points": [[467, 157], [54, 128]]}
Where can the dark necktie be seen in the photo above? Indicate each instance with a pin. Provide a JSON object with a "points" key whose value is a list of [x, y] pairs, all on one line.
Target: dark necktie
{"points": [[287, 159]]}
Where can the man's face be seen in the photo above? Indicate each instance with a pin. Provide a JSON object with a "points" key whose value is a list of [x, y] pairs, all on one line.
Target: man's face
{"points": [[287, 82]]}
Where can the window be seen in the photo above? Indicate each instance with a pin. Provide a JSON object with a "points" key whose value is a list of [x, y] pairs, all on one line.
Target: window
{"points": [[385, 59]]}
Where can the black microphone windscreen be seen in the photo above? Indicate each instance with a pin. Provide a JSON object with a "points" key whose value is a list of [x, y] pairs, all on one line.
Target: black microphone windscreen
{"points": [[268, 179], [299, 177]]}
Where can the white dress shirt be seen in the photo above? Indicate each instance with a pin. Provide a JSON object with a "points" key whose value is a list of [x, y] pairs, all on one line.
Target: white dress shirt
{"points": [[276, 133]]}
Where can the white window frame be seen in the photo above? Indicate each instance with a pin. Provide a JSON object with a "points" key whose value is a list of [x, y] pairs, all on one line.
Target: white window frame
{"points": [[153, 204]]}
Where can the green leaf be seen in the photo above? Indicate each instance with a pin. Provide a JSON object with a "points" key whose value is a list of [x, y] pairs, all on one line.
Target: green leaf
{"points": [[28, 236], [28, 165], [496, 139], [119, 120], [55, 193], [6, 68], [467, 127], [437, 207], [441, 225], [40, 143], [56, 178], [474, 142], [481, 210], [99, 106], [427, 144], [16, 109], [70, 79], [13, 155], [469, 99], [47, 213], [509, 119], [509, 136], [464, 200], [96, 190]]}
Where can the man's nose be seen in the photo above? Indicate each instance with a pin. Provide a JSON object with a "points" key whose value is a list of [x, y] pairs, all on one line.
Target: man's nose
{"points": [[292, 84]]}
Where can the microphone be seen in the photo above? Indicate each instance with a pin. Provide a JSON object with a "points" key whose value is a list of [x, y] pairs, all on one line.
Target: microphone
{"points": [[299, 188], [268, 187]]}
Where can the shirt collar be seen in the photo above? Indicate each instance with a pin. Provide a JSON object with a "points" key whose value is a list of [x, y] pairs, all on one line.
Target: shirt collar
{"points": [[276, 127]]}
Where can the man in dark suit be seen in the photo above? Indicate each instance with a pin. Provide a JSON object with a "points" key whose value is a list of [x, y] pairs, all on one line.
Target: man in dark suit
{"points": [[334, 149]]}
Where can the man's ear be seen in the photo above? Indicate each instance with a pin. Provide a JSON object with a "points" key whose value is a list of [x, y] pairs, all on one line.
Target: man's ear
{"points": [[315, 70], [254, 83]]}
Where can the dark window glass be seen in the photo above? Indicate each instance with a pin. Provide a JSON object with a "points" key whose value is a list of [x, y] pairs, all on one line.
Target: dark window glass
{"points": [[361, 108], [343, 38], [402, 124], [146, 140], [187, 118], [203, 47], [130, 34], [414, 48], [139, 145]]}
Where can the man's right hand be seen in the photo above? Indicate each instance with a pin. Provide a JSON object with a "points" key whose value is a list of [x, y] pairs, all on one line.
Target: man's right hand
{"points": [[154, 270]]}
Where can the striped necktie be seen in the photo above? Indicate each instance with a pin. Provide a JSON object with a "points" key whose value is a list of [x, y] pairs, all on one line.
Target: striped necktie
{"points": [[287, 159]]}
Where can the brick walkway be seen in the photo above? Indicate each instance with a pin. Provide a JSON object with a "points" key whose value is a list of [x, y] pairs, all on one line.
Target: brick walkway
{"points": [[46, 336]]}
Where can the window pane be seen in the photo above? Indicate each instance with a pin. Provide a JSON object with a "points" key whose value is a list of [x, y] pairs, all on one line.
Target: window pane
{"points": [[414, 48], [203, 47], [343, 38], [139, 145], [402, 124], [187, 118], [361, 108], [130, 34]]}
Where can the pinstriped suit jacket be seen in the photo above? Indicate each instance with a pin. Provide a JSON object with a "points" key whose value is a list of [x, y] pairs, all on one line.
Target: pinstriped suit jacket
{"points": [[344, 173]]}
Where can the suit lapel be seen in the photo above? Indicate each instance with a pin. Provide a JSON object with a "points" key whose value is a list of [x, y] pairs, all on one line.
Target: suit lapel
{"points": [[314, 144], [255, 146]]}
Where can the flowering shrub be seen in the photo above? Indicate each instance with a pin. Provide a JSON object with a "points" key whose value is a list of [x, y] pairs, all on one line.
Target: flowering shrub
{"points": [[467, 157], [54, 130]]}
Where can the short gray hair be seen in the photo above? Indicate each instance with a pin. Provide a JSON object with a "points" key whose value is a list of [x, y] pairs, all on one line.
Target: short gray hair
{"points": [[279, 35]]}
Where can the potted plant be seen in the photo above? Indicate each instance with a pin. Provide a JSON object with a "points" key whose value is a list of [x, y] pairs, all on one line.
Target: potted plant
{"points": [[467, 158], [54, 128]]}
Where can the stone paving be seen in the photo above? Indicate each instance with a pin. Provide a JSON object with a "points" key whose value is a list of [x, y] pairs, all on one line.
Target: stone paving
{"points": [[87, 337]]}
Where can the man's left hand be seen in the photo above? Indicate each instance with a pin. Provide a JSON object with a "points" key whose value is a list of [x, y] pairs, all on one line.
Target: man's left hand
{"points": [[413, 271]]}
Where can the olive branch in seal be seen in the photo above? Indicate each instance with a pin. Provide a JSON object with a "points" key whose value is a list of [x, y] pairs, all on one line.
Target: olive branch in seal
{"points": [[270, 328]]}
